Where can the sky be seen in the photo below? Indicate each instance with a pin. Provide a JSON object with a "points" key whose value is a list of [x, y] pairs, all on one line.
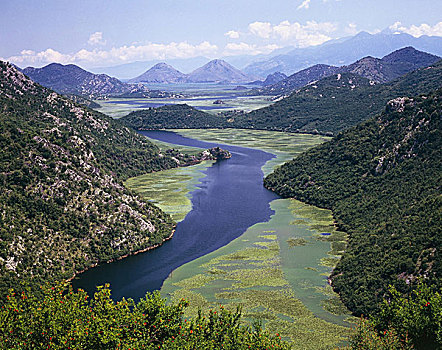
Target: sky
{"points": [[100, 33]]}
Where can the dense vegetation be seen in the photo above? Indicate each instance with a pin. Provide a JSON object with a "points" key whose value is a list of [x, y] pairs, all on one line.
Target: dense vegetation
{"points": [[382, 181], [59, 318], [63, 206], [338, 102], [64, 319], [413, 321], [173, 117]]}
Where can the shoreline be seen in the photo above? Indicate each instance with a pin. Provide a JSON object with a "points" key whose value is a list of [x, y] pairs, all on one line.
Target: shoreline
{"points": [[125, 256]]}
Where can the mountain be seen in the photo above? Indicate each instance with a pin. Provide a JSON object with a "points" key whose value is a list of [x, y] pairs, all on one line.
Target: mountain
{"points": [[160, 73], [71, 79], [274, 78], [172, 117], [382, 181], [298, 80], [343, 52], [391, 66], [338, 102], [63, 206], [129, 70], [378, 70], [217, 71]]}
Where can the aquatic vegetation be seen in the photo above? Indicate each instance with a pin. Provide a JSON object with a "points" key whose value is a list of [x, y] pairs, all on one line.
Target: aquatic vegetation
{"points": [[250, 272], [296, 242], [259, 271], [284, 146], [170, 188]]}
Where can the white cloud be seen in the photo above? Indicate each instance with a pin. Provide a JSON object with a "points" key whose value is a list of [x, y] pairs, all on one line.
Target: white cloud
{"points": [[417, 31], [305, 5], [96, 39], [261, 29], [297, 34], [117, 55], [351, 29], [232, 34], [242, 48]]}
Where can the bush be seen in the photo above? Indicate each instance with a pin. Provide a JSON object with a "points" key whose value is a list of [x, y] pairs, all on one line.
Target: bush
{"points": [[63, 319]]}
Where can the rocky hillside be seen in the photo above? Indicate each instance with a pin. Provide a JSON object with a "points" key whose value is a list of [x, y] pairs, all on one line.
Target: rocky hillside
{"points": [[217, 71], [382, 181], [338, 102], [63, 206], [383, 70], [71, 79], [160, 73]]}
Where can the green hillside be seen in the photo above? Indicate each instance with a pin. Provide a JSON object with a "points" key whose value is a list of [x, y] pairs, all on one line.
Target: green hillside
{"points": [[63, 206], [382, 181], [172, 117], [338, 102]]}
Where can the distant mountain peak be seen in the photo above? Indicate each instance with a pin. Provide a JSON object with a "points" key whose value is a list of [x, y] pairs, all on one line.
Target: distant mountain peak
{"points": [[160, 73], [217, 70]]}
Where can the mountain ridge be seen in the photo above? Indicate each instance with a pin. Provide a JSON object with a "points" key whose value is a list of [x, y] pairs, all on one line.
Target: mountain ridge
{"points": [[343, 52], [71, 79], [378, 70]]}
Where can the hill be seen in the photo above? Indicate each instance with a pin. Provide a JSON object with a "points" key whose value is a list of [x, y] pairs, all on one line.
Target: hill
{"points": [[298, 79], [274, 78], [63, 206], [73, 80], [343, 52], [382, 70], [217, 71], [392, 66], [382, 181], [172, 117], [338, 102], [160, 73]]}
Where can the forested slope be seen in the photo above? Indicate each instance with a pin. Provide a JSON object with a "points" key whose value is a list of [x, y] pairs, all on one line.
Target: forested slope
{"points": [[63, 206], [382, 180], [173, 117], [338, 102]]}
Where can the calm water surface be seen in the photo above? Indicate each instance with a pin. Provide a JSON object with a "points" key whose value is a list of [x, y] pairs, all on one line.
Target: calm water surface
{"points": [[229, 199]]}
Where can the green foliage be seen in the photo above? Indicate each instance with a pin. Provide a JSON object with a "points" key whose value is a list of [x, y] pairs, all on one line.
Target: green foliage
{"points": [[173, 117], [413, 321], [419, 315], [382, 181], [64, 319], [366, 337]]}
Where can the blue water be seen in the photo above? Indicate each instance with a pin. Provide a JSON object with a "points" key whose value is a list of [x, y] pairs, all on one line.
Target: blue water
{"points": [[229, 199]]}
